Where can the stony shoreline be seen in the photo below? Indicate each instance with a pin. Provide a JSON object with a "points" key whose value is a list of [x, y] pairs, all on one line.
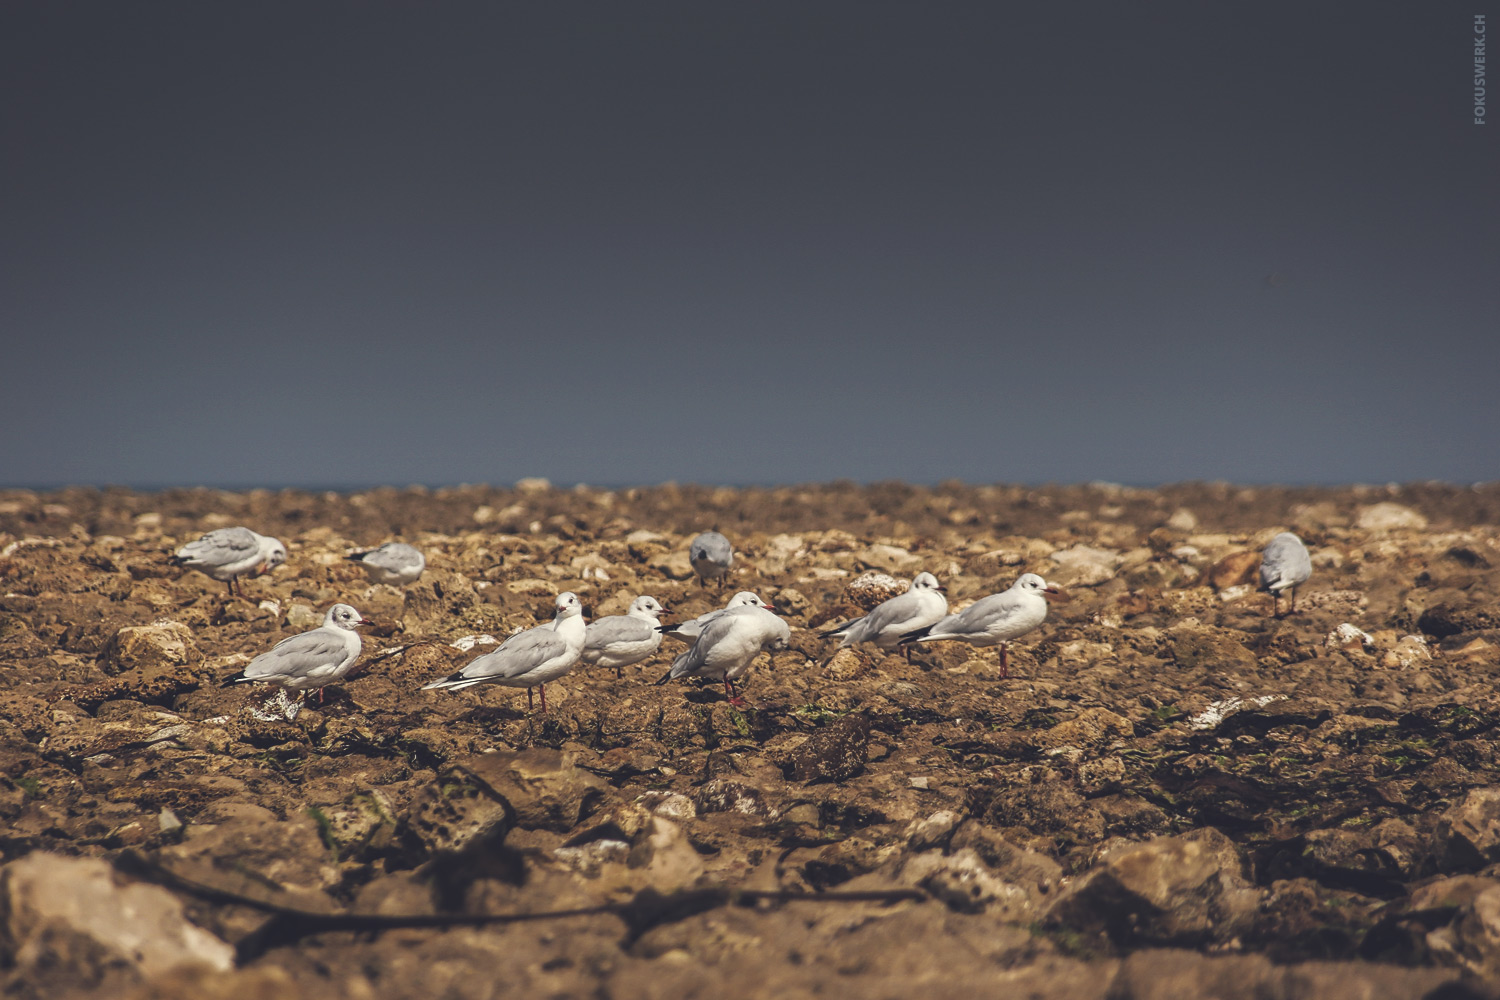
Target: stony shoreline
{"points": [[1173, 794]]}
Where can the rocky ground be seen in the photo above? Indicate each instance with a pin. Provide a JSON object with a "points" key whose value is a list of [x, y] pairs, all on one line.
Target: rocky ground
{"points": [[1173, 794]]}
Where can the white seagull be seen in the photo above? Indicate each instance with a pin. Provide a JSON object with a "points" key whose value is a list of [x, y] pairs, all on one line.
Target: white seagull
{"points": [[1284, 565], [727, 646], [312, 659], [528, 659], [922, 605], [711, 556], [995, 620], [689, 630], [394, 563], [229, 553], [620, 640]]}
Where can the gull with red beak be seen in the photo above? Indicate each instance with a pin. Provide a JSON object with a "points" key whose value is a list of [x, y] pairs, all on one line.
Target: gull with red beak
{"points": [[229, 553], [922, 605], [995, 620], [310, 660], [528, 659]]}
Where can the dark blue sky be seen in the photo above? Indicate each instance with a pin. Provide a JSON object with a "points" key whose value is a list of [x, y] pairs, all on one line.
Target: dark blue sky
{"points": [[624, 242]]}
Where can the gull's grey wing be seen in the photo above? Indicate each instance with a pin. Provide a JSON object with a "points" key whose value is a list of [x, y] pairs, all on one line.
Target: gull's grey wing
{"points": [[518, 655], [224, 545], [394, 556], [983, 615], [897, 609], [616, 628], [1285, 562], [297, 656]]}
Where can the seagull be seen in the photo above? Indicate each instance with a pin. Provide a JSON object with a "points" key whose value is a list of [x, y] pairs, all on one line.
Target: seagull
{"points": [[995, 620], [1283, 566], [393, 562], [620, 640], [711, 556], [727, 646], [312, 659], [528, 659], [922, 605], [689, 630], [229, 553]]}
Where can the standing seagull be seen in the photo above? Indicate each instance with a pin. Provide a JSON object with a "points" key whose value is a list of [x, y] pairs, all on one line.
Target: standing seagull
{"points": [[727, 646], [689, 630], [229, 553], [922, 605], [394, 563], [620, 640], [1283, 566], [995, 620], [310, 660], [528, 659], [711, 556]]}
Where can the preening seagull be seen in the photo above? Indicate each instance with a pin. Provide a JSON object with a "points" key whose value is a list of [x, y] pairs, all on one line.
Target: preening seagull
{"points": [[394, 562], [229, 553], [528, 659], [995, 620], [689, 630], [727, 646], [922, 605], [1284, 565], [620, 640]]}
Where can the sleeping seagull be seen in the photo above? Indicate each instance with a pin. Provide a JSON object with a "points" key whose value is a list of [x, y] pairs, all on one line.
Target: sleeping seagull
{"points": [[922, 605], [528, 659], [229, 553], [727, 646], [620, 640], [689, 630], [311, 660], [394, 563], [995, 620], [1283, 566], [711, 556]]}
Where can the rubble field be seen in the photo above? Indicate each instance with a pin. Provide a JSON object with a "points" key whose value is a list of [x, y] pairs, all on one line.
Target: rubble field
{"points": [[1173, 794]]}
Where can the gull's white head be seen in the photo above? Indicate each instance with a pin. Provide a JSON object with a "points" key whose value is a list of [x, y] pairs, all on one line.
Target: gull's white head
{"points": [[745, 599], [646, 606], [273, 554], [567, 605], [345, 617], [1033, 584], [926, 581]]}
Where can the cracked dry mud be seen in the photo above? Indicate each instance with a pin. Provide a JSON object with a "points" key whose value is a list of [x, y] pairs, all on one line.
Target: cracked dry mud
{"points": [[1173, 794]]}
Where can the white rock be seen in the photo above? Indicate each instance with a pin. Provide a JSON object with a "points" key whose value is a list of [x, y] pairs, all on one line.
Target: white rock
{"points": [[143, 925], [1389, 516]]}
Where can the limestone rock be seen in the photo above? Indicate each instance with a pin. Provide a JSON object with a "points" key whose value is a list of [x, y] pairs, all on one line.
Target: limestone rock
{"points": [[1388, 516], [1469, 831], [1083, 566], [1184, 890], [50, 901], [834, 753], [162, 644]]}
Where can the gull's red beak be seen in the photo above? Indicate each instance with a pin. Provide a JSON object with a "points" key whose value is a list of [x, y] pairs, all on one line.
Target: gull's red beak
{"points": [[364, 621], [1056, 596]]}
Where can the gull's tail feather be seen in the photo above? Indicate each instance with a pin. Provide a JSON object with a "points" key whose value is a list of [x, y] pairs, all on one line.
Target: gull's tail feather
{"points": [[915, 635]]}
